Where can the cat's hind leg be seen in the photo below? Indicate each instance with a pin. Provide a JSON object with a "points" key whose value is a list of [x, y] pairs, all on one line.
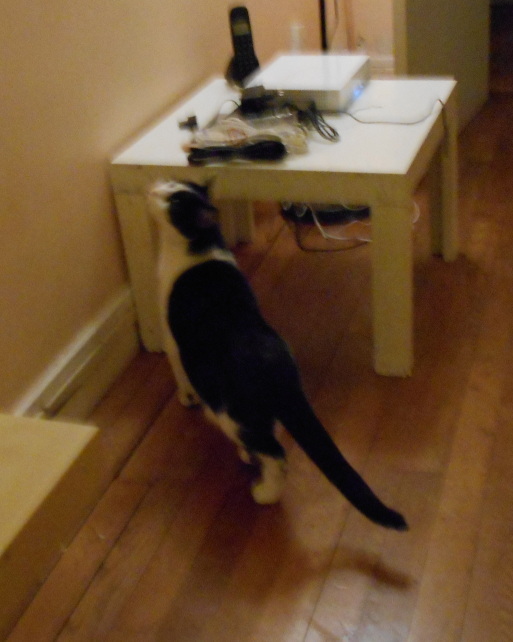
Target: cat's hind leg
{"points": [[186, 393], [187, 396], [270, 455], [273, 471], [231, 429], [244, 456], [256, 446]]}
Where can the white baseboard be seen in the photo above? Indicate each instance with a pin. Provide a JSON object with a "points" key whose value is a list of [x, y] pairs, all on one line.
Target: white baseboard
{"points": [[76, 381]]}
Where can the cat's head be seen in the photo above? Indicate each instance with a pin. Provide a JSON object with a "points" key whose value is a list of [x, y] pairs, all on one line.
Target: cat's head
{"points": [[184, 206]]}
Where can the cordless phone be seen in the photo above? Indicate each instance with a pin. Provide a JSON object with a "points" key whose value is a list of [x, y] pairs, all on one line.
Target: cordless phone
{"points": [[244, 61]]}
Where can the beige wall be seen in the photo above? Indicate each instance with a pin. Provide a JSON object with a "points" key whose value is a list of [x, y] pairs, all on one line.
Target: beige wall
{"points": [[373, 25], [366, 25], [78, 78]]}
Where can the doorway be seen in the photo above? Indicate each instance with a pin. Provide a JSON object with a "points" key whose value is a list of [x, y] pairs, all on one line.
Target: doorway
{"points": [[501, 48]]}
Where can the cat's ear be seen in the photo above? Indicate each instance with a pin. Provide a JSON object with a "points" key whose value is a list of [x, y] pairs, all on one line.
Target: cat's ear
{"points": [[209, 183], [206, 213], [202, 190]]}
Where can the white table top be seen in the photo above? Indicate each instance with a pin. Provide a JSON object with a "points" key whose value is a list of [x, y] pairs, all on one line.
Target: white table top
{"points": [[399, 114]]}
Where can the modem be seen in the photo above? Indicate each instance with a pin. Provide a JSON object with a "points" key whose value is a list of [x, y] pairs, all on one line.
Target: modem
{"points": [[332, 81]]}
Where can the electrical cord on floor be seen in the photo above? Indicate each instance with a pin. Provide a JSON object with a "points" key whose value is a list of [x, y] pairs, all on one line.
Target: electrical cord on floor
{"points": [[311, 214]]}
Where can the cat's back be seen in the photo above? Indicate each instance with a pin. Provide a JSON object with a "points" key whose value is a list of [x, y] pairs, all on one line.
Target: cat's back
{"points": [[212, 294], [226, 346]]}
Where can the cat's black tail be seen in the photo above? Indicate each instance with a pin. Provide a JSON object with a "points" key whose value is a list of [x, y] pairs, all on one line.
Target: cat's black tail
{"points": [[300, 421]]}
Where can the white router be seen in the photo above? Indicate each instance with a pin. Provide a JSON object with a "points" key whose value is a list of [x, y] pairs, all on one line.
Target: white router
{"points": [[332, 81]]}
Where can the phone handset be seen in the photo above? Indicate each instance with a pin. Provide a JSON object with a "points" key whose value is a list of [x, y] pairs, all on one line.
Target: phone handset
{"points": [[244, 61]]}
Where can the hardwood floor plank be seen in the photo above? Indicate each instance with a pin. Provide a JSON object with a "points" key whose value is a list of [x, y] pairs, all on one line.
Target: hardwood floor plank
{"points": [[489, 612], [411, 443], [153, 597], [442, 600], [70, 579], [121, 432], [361, 564], [124, 389], [165, 464], [206, 587]]}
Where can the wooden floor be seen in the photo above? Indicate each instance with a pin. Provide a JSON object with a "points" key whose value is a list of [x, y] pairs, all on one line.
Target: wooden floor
{"points": [[177, 551]]}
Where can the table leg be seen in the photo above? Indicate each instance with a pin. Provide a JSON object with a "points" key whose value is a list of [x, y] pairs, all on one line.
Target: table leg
{"points": [[139, 246], [392, 288], [444, 190], [236, 221]]}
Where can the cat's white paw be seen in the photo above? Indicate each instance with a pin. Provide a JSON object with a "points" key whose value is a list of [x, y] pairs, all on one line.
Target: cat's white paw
{"points": [[244, 456], [268, 489], [188, 398], [266, 492]]}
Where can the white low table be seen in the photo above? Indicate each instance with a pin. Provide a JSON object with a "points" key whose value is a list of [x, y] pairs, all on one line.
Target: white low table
{"points": [[375, 164]]}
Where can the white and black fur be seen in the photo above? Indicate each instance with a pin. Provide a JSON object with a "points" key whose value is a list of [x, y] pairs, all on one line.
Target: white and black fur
{"points": [[225, 356]]}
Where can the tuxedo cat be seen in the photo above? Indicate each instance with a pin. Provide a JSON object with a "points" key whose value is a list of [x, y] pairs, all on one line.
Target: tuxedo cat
{"points": [[227, 358]]}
